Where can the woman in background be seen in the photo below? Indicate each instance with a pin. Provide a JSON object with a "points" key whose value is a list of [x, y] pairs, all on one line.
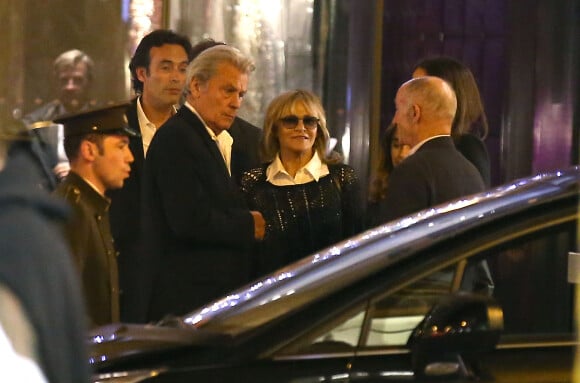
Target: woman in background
{"points": [[469, 127], [391, 154], [307, 197]]}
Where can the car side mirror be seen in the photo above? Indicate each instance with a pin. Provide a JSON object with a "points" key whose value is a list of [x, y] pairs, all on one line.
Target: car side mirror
{"points": [[457, 329]]}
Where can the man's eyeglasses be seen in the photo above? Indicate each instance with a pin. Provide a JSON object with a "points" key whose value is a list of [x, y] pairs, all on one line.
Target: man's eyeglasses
{"points": [[291, 122]]}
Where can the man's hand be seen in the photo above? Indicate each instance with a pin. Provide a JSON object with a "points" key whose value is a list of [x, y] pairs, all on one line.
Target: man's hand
{"points": [[259, 225]]}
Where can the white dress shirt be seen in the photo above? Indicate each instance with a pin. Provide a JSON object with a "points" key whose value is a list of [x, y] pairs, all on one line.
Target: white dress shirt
{"points": [[277, 175], [224, 140], [146, 127]]}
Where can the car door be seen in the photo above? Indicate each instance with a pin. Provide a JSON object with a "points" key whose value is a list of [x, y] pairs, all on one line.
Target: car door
{"points": [[521, 261], [526, 257]]}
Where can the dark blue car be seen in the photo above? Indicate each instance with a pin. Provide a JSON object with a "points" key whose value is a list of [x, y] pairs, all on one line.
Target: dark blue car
{"points": [[479, 289]]}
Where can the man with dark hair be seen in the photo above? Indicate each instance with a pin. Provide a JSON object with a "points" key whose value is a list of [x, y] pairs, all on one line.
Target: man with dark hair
{"points": [[73, 74], [158, 75], [97, 145]]}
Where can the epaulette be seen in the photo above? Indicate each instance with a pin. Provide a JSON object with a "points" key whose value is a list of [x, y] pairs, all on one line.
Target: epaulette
{"points": [[73, 194]]}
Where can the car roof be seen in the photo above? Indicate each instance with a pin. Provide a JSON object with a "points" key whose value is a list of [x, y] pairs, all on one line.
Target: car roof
{"points": [[357, 257]]}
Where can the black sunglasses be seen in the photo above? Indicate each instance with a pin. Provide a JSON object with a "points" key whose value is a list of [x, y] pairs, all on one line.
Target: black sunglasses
{"points": [[291, 122]]}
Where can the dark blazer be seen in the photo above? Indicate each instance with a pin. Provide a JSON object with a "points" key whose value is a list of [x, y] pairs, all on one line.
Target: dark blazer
{"points": [[475, 151], [436, 173], [198, 228], [125, 218], [125, 210], [245, 149]]}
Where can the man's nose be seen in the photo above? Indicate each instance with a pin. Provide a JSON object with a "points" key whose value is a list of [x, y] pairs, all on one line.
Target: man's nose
{"points": [[177, 75], [129, 156], [236, 101], [70, 84]]}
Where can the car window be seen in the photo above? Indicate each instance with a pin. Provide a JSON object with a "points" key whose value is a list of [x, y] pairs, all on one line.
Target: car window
{"points": [[524, 268], [393, 318], [531, 285]]}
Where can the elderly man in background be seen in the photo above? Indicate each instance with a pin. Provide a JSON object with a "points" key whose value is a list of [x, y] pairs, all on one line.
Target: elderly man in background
{"points": [[198, 225], [73, 75]]}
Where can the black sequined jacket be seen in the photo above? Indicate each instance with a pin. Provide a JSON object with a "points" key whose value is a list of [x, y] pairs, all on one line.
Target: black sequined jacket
{"points": [[301, 219]]}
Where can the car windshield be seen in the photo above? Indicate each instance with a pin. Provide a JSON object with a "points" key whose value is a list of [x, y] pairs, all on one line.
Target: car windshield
{"points": [[336, 267]]}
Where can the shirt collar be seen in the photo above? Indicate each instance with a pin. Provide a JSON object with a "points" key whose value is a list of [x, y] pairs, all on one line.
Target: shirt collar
{"points": [[313, 170], [418, 146], [142, 117], [224, 135], [143, 120]]}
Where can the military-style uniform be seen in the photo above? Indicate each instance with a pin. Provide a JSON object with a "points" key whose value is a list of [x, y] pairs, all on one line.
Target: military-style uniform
{"points": [[89, 235]]}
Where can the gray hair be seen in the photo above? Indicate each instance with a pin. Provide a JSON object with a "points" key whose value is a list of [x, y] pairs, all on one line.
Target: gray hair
{"points": [[72, 58], [204, 66]]}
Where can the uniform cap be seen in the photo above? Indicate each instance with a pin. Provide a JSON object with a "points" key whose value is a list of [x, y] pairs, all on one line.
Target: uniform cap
{"points": [[107, 120]]}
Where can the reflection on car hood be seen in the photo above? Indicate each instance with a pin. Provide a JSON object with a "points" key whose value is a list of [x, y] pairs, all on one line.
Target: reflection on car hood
{"points": [[117, 342], [383, 245]]}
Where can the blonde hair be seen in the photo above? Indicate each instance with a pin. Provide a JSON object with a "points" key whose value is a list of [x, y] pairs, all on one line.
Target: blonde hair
{"points": [[281, 106]]}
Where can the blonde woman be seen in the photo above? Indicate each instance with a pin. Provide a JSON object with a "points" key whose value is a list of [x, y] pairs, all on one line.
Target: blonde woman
{"points": [[307, 197]]}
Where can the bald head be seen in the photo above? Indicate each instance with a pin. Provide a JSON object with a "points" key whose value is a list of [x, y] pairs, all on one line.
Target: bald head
{"points": [[434, 95], [425, 108]]}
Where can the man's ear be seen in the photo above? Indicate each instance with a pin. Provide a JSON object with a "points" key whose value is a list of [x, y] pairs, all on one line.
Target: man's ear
{"points": [[193, 87], [416, 113], [141, 73], [88, 150]]}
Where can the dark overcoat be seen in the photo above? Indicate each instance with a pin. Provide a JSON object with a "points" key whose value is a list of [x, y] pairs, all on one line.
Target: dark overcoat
{"points": [[35, 265], [125, 212], [197, 227], [436, 173]]}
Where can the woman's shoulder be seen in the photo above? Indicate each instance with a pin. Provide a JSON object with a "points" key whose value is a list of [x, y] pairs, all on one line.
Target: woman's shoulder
{"points": [[253, 177], [345, 173], [469, 141]]}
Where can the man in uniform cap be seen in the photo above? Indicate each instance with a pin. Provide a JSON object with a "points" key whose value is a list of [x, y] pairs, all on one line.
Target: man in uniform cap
{"points": [[97, 145]]}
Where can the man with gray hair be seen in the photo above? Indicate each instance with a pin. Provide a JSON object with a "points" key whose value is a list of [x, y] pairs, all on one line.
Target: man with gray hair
{"points": [[198, 227], [434, 171], [72, 71]]}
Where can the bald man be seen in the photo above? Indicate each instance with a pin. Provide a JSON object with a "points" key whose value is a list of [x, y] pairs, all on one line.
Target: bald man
{"points": [[434, 172]]}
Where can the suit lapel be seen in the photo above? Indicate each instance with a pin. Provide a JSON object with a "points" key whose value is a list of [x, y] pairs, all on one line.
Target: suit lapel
{"points": [[135, 143], [204, 136]]}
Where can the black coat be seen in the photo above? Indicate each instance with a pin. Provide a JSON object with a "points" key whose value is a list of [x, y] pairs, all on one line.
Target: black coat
{"points": [[125, 216], [125, 213], [36, 266], [197, 226], [473, 148], [436, 173]]}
